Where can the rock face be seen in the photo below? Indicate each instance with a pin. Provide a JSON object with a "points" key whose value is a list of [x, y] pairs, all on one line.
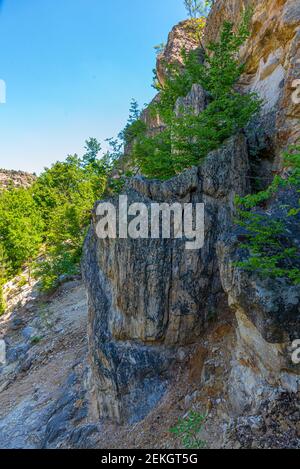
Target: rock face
{"points": [[144, 295], [180, 36], [195, 101], [149, 300], [16, 178], [275, 426], [271, 55], [268, 317]]}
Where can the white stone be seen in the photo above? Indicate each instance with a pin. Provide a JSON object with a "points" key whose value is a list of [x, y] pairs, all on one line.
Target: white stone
{"points": [[267, 82], [2, 352]]}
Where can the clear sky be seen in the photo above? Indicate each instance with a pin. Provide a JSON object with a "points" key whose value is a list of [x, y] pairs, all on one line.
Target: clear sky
{"points": [[71, 68]]}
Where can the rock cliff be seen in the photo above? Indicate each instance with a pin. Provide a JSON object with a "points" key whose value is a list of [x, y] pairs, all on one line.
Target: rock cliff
{"points": [[152, 297], [151, 302], [272, 57], [16, 178]]}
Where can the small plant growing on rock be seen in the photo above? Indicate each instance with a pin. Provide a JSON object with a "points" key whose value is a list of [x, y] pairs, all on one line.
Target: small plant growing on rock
{"points": [[22, 282], [188, 429], [36, 340], [188, 138], [272, 251]]}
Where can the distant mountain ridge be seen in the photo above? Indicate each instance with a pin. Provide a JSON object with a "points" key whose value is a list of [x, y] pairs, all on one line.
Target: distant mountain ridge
{"points": [[16, 178]]}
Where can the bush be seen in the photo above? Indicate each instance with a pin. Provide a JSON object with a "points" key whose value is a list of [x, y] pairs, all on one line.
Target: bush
{"points": [[66, 194], [51, 216], [21, 227], [271, 251], [188, 429]]}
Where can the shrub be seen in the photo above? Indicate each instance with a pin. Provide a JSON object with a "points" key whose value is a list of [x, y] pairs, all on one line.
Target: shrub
{"points": [[21, 226], [188, 138], [271, 250], [66, 194], [188, 429]]}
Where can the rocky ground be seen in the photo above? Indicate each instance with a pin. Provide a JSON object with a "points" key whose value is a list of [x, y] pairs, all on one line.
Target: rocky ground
{"points": [[45, 352], [43, 397], [44, 401]]}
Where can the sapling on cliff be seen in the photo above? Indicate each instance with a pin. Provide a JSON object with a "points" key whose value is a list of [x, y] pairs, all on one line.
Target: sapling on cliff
{"points": [[188, 138], [271, 250]]}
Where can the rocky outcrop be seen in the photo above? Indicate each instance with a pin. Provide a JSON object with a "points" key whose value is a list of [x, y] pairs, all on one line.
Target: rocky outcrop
{"points": [[147, 298], [43, 400], [195, 102], [267, 312], [271, 56], [150, 301], [15, 178], [275, 426], [181, 36]]}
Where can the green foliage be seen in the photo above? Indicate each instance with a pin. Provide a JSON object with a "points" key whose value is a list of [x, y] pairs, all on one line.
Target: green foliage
{"points": [[195, 136], [3, 277], [188, 138], [21, 226], [159, 48], [2, 301], [36, 340], [152, 155], [195, 29], [92, 148], [188, 429], [134, 127], [271, 252], [52, 217], [197, 8], [66, 193], [22, 281]]}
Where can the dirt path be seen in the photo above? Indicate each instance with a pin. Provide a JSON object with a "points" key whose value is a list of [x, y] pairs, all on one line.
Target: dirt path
{"points": [[45, 343]]}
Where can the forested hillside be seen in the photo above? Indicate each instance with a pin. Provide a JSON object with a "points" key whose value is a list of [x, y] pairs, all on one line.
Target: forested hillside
{"points": [[42, 226]]}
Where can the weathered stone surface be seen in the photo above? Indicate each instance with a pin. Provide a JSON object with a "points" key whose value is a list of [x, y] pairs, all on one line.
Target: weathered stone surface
{"points": [[17, 353], [23, 428], [268, 317], [195, 101], [273, 306], [275, 426], [69, 410], [180, 37], [271, 55], [42, 385], [152, 120], [148, 296], [16, 178], [2, 352]]}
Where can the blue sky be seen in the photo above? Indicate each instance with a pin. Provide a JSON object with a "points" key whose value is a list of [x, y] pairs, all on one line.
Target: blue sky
{"points": [[71, 68]]}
